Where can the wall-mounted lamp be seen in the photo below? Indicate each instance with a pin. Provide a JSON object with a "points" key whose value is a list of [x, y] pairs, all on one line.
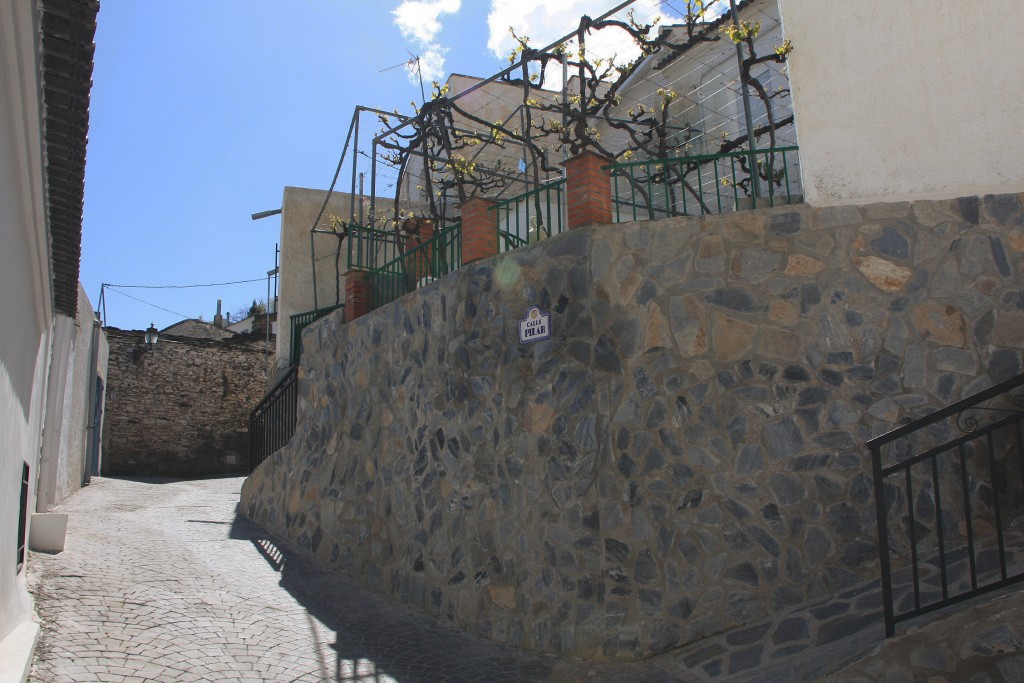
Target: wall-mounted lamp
{"points": [[152, 334]]}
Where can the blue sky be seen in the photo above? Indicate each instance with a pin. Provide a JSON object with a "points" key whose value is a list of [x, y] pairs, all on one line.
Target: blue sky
{"points": [[202, 112]]}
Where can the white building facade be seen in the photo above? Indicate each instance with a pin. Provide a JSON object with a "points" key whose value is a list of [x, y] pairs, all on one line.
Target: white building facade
{"points": [[49, 348], [898, 101]]}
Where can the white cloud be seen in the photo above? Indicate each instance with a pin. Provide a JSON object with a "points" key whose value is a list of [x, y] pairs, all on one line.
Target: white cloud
{"points": [[431, 64], [419, 19], [545, 21], [420, 22]]}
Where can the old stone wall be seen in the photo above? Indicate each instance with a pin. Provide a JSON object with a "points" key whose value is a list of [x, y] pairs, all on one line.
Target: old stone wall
{"points": [[684, 456], [197, 329], [180, 408]]}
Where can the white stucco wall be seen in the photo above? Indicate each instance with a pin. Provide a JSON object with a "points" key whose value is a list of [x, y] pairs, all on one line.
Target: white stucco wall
{"points": [[299, 209], [61, 357], [905, 100], [87, 361], [24, 278], [19, 443]]}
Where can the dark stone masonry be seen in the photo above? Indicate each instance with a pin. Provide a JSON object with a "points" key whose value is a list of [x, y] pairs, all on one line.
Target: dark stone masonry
{"points": [[181, 408], [683, 458]]}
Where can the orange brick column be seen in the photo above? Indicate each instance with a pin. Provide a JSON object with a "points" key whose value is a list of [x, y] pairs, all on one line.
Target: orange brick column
{"points": [[357, 294], [588, 187], [479, 229]]}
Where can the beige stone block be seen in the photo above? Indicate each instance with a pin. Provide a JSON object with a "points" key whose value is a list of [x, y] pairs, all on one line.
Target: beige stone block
{"points": [[691, 327], [703, 370], [502, 596], [940, 323], [986, 285], [931, 213], [538, 418], [491, 510], [782, 312], [656, 333], [362, 377], [626, 291], [733, 338], [780, 344], [874, 212], [711, 254], [819, 242], [1009, 329], [886, 275], [693, 343], [294, 501], [798, 265], [1015, 241], [835, 217], [743, 226]]}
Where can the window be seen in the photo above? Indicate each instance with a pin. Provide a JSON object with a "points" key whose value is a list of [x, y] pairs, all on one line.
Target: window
{"points": [[22, 516]]}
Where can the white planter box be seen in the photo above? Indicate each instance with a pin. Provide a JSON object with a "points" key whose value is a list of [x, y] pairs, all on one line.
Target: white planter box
{"points": [[48, 531]]}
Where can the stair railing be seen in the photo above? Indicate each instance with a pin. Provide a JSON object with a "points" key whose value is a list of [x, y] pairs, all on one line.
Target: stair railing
{"points": [[949, 497]]}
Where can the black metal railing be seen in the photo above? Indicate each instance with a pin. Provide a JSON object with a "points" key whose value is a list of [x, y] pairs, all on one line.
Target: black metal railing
{"points": [[301, 321], [272, 421], [949, 497]]}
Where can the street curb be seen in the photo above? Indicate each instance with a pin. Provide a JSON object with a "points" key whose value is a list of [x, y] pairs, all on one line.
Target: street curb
{"points": [[16, 651]]}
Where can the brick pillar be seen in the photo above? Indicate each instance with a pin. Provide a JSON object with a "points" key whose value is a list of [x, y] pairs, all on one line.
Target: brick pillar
{"points": [[418, 231], [357, 294], [479, 229], [588, 187]]}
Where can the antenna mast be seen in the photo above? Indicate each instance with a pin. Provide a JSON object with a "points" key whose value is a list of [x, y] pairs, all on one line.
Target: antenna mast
{"points": [[413, 60]]}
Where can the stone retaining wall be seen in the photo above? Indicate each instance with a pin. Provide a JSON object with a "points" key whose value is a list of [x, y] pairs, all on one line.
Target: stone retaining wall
{"points": [[683, 457], [180, 409]]}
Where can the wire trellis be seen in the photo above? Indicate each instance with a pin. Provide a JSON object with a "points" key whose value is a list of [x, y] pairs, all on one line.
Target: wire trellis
{"points": [[676, 92]]}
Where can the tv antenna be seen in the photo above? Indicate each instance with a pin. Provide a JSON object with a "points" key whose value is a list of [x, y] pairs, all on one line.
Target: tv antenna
{"points": [[414, 60]]}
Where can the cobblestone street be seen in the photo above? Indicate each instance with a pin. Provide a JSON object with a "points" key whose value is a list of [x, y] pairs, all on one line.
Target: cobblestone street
{"points": [[161, 582]]}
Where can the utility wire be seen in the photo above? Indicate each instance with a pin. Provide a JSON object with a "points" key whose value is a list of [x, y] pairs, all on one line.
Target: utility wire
{"points": [[214, 284], [182, 315]]}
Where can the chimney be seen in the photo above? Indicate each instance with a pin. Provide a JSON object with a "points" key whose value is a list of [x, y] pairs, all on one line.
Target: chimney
{"points": [[218, 319]]}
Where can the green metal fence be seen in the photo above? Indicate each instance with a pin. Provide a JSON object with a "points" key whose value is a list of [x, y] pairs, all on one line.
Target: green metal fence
{"points": [[370, 247], [704, 184], [301, 321], [417, 266], [531, 216]]}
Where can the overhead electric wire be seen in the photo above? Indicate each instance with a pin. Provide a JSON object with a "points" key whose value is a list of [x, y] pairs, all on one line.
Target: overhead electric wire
{"points": [[167, 310], [213, 284]]}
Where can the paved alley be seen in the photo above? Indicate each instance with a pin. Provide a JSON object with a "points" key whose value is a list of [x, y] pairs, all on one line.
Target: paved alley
{"points": [[160, 581]]}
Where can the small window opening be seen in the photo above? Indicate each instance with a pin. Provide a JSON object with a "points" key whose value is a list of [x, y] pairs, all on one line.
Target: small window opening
{"points": [[22, 517]]}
